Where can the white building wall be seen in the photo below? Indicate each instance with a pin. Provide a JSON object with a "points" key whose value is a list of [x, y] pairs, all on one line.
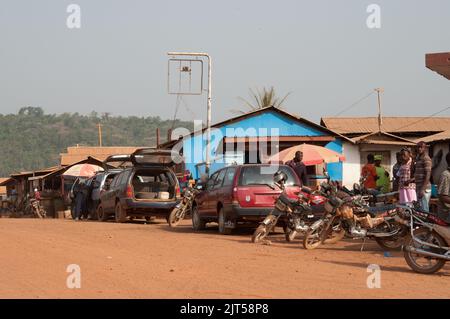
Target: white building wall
{"points": [[353, 162], [352, 165]]}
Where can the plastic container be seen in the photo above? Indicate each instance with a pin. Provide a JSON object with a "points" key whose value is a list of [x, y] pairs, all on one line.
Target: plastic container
{"points": [[163, 195]]}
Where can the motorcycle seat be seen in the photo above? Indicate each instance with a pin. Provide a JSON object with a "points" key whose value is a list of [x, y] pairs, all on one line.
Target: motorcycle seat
{"points": [[378, 210], [306, 190], [288, 201]]}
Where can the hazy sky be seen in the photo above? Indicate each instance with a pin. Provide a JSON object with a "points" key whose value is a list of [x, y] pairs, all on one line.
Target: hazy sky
{"points": [[321, 51]]}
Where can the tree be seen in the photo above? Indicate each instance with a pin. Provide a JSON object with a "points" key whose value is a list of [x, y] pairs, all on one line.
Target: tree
{"points": [[262, 99], [33, 140], [30, 110]]}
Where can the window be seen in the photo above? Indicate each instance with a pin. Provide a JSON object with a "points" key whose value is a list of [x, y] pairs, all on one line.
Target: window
{"points": [[211, 180], [109, 179], [115, 181], [123, 178], [229, 176], [253, 175], [220, 178]]}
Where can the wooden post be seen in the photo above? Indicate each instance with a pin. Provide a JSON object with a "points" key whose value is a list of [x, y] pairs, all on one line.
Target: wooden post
{"points": [[99, 134], [157, 137], [380, 119]]}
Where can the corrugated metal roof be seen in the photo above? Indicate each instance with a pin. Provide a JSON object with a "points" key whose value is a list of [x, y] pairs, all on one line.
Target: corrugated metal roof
{"points": [[61, 170], [362, 125], [38, 172], [382, 138], [442, 136], [78, 153], [3, 182]]}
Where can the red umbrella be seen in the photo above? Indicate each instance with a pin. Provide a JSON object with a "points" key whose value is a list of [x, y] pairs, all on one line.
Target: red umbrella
{"points": [[312, 155], [83, 170]]}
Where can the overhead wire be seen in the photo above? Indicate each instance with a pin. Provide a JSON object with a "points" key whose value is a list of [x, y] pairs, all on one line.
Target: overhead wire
{"points": [[355, 103]]}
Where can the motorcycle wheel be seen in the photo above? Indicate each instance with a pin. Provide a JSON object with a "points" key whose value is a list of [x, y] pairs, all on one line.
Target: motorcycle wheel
{"points": [[424, 264], [264, 228], [313, 237], [335, 236], [176, 216], [260, 233], [290, 235]]}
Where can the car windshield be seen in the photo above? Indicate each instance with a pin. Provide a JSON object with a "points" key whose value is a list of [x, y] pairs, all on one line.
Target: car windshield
{"points": [[256, 175]]}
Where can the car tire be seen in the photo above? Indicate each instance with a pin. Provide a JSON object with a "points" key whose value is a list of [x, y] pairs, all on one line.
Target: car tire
{"points": [[150, 219], [120, 214], [101, 215], [197, 222], [222, 220]]}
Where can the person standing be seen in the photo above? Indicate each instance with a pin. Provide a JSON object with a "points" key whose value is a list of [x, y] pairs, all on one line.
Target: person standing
{"points": [[37, 195], [79, 199], [444, 192], [369, 173], [395, 171], [422, 176], [13, 196], [407, 189], [299, 167], [383, 182]]}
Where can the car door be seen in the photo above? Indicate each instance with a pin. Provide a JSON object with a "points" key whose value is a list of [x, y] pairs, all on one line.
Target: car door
{"points": [[225, 193], [108, 197], [214, 194], [96, 187], [203, 198]]}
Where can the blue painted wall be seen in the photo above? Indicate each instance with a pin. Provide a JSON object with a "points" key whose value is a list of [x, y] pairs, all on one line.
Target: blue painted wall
{"points": [[335, 169], [194, 147]]}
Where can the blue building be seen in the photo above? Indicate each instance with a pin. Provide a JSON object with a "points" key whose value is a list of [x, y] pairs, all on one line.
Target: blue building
{"points": [[251, 137]]}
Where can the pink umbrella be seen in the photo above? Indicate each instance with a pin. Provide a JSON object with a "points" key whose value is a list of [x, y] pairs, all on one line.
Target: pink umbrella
{"points": [[83, 170], [312, 155]]}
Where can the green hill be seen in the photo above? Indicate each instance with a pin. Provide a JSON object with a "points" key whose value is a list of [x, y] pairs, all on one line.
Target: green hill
{"points": [[32, 139]]}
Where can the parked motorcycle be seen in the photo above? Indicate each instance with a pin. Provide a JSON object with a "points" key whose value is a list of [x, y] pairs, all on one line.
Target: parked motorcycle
{"points": [[352, 216], [37, 209], [183, 208], [298, 212], [373, 196], [427, 248]]}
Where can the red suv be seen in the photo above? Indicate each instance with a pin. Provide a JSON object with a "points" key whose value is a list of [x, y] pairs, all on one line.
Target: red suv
{"points": [[240, 193]]}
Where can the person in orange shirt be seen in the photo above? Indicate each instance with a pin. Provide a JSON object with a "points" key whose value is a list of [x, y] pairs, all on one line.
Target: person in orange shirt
{"points": [[369, 173]]}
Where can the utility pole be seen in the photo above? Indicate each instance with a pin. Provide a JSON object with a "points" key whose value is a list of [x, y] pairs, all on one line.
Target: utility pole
{"points": [[380, 119], [158, 141], [208, 111], [99, 134]]}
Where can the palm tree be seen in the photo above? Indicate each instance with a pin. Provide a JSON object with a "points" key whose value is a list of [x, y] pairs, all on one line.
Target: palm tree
{"points": [[262, 99]]}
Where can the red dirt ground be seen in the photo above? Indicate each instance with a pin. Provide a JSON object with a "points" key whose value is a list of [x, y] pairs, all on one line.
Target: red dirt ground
{"points": [[137, 260]]}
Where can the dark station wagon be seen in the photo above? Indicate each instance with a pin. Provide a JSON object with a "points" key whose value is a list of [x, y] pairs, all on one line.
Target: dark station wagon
{"points": [[147, 188]]}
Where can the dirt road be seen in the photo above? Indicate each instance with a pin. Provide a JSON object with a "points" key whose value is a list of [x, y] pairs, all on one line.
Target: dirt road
{"points": [[137, 260]]}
